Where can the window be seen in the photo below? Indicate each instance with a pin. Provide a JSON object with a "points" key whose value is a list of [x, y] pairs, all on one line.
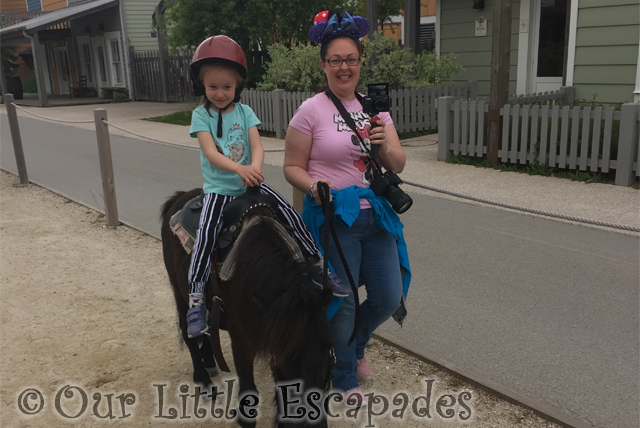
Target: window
{"points": [[116, 63], [86, 61]]}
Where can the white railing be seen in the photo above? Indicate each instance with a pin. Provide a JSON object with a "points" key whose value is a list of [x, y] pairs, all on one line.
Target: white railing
{"points": [[585, 139], [411, 109]]}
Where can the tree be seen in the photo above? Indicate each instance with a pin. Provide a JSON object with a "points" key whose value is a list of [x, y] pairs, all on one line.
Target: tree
{"points": [[252, 23], [386, 9]]}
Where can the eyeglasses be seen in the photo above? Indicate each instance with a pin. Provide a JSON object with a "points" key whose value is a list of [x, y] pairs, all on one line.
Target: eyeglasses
{"points": [[337, 62]]}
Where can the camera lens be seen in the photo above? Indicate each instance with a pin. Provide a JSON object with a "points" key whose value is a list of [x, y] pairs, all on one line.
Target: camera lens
{"points": [[400, 201]]}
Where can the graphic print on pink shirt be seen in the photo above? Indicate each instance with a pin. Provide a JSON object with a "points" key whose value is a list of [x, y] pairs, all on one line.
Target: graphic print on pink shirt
{"points": [[361, 162]]}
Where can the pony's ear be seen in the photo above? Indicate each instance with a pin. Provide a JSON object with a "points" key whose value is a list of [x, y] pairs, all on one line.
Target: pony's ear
{"points": [[327, 297]]}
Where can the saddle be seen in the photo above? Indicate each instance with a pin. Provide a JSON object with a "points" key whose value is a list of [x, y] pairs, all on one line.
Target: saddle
{"points": [[185, 223]]}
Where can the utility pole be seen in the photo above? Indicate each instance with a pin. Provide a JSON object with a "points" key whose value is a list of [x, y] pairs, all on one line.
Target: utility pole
{"points": [[499, 91], [372, 17], [412, 25]]}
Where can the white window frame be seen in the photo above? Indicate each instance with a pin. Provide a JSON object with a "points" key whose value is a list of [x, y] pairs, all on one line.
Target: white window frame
{"points": [[115, 63]]}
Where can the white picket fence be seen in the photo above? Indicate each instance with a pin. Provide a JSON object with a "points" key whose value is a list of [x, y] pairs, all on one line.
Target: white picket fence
{"points": [[411, 109], [567, 138]]}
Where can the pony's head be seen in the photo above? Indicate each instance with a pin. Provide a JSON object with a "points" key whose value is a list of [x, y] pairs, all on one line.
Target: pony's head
{"points": [[279, 304]]}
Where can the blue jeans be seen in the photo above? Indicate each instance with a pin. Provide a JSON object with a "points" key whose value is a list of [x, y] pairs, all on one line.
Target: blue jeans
{"points": [[372, 257]]}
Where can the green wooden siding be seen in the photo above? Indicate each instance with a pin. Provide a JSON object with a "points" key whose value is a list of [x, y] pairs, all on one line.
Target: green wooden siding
{"points": [[607, 50], [457, 30], [138, 23]]}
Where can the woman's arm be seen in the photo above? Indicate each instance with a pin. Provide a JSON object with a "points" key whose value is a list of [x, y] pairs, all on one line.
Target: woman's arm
{"points": [[297, 146], [250, 175], [391, 153]]}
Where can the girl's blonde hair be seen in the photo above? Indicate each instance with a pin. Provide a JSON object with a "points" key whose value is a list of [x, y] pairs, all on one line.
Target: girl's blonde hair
{"points": [[208, 67]]}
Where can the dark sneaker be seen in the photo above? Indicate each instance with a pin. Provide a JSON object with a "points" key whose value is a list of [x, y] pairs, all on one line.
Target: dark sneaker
{"points": [[197, 321], [334, 283]]}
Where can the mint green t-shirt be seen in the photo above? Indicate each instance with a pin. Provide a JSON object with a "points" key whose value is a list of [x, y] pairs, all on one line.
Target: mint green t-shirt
{"points": [[234, 144]]}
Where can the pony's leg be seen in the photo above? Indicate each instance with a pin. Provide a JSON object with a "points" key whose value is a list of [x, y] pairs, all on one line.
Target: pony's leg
{"points": [[244, 369], [207, 358], [200, 373]]}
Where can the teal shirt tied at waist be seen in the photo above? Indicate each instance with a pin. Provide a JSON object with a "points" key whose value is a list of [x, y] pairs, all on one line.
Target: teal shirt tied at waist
{"points": [[347, 209]]}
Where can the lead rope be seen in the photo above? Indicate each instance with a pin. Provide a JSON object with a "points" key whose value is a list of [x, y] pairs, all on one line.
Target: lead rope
{"points": [[327, 209]]}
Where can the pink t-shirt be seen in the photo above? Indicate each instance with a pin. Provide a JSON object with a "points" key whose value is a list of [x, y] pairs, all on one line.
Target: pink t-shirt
{"points": [[336, 153]]}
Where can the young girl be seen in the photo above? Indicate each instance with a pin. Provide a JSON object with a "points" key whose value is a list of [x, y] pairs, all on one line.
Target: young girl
{"points": [[231, 156]]}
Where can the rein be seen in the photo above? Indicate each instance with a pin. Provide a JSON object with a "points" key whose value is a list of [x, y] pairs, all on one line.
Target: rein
{"points": [[327, 209]]}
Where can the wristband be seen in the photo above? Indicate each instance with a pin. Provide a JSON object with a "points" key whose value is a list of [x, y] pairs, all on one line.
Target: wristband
{"points": [[311, 189]]}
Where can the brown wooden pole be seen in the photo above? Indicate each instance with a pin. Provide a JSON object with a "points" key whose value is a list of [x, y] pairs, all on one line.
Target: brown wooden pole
{"points": [[14, 127], [298, 200], [106, 167], [499, 92]]}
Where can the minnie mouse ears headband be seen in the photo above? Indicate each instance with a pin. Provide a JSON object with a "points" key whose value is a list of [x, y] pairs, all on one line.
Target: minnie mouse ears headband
{"points": [[324, 27]]}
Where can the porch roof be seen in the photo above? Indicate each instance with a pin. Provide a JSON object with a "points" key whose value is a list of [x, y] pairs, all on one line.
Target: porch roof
{"points": [[14, 34]]}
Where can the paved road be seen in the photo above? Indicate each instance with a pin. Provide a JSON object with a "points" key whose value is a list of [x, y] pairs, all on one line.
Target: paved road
{"points": [[543, 308]]}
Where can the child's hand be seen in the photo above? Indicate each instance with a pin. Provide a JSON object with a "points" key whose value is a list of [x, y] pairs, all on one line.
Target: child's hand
{"points": [[251, 175]]}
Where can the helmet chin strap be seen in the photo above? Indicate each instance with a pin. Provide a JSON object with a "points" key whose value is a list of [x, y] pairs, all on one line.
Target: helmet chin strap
{"points": [[220, 119]]}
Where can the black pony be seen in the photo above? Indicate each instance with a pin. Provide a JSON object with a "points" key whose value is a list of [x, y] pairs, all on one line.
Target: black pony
{"points": [[270, 309]]}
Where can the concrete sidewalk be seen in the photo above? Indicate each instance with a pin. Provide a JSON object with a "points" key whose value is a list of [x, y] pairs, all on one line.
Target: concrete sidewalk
{"points": [[599, 202]]}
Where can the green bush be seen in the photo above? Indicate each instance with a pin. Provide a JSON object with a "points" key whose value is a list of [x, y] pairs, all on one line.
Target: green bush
{"points": [[297, 69], [384, 61], [428, 71]]}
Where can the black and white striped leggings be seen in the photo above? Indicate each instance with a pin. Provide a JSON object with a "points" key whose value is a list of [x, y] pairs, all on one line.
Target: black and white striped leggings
{"points": [[211, 223]]}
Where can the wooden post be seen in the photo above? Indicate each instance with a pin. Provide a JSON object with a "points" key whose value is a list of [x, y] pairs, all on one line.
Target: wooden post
{"points": [[38, 68], [628, 143], [106, 167], [278, 114], [445, 128], [298, 200], [3, 78], [163, 53], [16, 138], [499, 92]]}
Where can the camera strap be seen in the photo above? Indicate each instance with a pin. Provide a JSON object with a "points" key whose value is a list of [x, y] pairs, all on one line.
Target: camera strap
{"points": [[350, 122]]}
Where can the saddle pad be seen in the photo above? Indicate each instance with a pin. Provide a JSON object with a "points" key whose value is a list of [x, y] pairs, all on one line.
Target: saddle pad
{"points": [[185, 223]]}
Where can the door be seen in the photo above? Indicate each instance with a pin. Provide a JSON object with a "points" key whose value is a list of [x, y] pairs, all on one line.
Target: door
{"points": [[549, 45], [100, 62], [64, 71]]}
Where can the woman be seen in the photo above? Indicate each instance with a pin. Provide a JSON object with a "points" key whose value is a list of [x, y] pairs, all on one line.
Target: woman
{"points": [[321, 147]]}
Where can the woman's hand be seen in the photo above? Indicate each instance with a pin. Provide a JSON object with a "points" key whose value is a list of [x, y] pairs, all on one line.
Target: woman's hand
{"points": [[250, 175], [392, 156], [316, 194], [378, 134]]}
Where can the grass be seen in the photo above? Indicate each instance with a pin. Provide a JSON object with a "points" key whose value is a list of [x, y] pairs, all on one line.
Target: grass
{"points": [[536, 168], [178, 118]]}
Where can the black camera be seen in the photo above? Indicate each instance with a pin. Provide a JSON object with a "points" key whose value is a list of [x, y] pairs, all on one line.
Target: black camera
{"points": [[384, 184], [377, 99], [387, 185]]}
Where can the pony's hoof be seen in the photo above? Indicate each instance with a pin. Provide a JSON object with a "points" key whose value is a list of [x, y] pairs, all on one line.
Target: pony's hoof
{"points": [[211, 392], [213, 371]]}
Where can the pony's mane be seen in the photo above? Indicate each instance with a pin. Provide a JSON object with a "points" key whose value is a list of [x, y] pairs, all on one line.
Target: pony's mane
{"points": [[164, 209], [288, 309]]}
